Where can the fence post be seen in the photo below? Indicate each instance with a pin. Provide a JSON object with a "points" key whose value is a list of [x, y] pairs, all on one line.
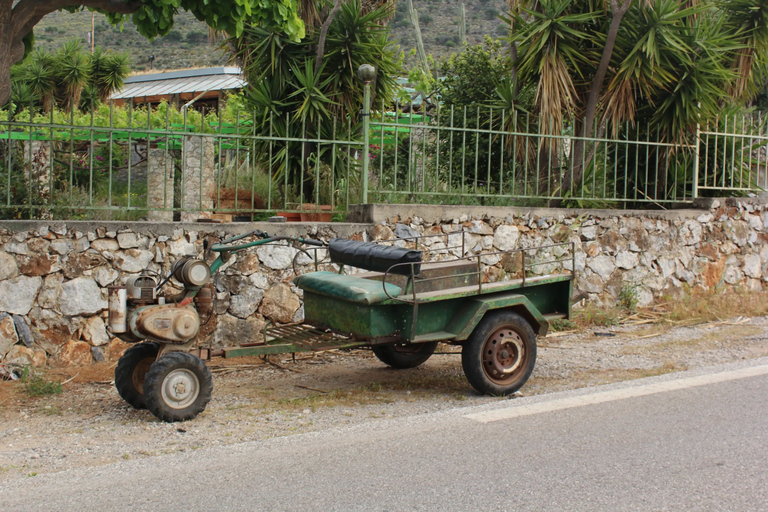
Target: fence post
{"points": [[696, 153], [366, 73]]}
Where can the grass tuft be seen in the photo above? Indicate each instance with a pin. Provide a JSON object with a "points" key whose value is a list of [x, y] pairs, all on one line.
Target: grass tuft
{"points": [[35, 384]]}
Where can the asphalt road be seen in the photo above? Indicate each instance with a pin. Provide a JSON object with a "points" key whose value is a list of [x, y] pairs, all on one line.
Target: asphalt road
{"points": [[688, 441]]}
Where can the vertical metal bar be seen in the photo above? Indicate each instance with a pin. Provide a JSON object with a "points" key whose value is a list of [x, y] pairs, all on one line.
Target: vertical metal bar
{"points": [[51, 165], [334, 147], [71, 156], [463, 153], [397, 145], [287, 160], [221, 159], [10, 155], [237, 162], [490, 149], [525, 155], [366, 139], [741, 152], [437, 150], [167, 172], [637, 157], [184, 174], [301, 163], [269, 165], [90, 180], [450, 154], [415, 311], [349, 159], [514, 151], [759, 152], [696, 156], [411, 176], [383, 112], [423, 153], [29, 159], [647, 148], [477, 145], [317, 169], [501, 167], [626, 159], [725, 150], [130, 144]]}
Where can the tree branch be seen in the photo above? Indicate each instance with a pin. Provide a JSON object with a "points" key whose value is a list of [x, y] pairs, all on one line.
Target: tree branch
{"points": [[324, 34], [28, 13]]}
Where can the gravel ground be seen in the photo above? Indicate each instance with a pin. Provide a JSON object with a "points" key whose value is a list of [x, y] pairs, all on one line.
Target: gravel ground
{"points": [[88, 424]]}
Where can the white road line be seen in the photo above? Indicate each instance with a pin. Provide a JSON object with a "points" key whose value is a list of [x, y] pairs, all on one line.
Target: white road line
{"points": [[619, 394]]}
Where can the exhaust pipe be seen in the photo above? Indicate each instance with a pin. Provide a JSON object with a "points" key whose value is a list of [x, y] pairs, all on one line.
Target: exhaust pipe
{"points": [[118, 309]]}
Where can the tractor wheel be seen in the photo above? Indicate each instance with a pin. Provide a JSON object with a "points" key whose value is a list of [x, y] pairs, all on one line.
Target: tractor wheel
{"points": [[178, 386], [404, 355], [499, 356], [131, 370]]}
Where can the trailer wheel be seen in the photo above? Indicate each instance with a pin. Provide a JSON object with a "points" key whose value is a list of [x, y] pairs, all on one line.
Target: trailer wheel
{"points": [[178, 386], [404, 355], [131, 370], [499, 356]]}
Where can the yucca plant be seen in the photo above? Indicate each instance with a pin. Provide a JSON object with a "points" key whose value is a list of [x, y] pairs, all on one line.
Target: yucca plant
{"points": [[73, 72], [108, 72], [673, 63], [40, 75], [295, 94]]}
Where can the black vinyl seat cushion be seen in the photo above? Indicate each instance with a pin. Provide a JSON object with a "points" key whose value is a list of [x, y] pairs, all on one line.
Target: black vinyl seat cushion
{"points": [[374, 257]]}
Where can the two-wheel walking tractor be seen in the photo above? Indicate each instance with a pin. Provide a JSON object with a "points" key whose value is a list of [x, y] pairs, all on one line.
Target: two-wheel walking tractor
{"points": [[402, 298]]}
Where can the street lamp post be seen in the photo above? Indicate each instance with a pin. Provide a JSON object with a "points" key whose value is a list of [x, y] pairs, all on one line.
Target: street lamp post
{"points": [[366, 73]]}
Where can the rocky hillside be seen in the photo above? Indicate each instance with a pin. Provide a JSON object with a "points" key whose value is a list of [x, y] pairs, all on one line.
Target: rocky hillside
{"points": [[187, 45]]}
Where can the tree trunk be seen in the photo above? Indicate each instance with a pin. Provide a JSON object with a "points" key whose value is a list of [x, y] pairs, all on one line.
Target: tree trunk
{"points": [[579, 146], [6, 38]]}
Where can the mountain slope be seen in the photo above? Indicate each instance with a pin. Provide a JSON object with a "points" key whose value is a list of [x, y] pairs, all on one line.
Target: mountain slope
{"points": [[187, 45]]}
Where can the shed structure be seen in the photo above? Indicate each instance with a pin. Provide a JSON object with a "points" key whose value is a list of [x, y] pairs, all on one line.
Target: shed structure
{"points": [[205, 87]]}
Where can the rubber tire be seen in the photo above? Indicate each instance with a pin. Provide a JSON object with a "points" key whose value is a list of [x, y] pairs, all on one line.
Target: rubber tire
{"points": [[156, 377], [137, 358], [403, 356], [476, 369]]}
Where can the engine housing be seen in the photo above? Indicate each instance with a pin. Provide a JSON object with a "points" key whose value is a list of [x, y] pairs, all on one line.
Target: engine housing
{"points": [[165, 322]]}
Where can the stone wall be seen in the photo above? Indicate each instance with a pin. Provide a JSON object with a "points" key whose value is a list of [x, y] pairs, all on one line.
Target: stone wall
{"points": [[54, 276]]}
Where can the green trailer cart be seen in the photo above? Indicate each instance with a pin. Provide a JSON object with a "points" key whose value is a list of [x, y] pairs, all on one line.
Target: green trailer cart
{"points": [[400, 298]]}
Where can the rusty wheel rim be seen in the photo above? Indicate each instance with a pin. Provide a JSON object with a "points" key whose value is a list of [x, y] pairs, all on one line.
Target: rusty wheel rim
{"points": [[504, 355], [140, 371]]}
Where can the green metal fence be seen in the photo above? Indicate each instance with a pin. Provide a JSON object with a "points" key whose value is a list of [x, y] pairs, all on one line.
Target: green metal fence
{"points": [[477, 155], [162, 164], [136, 163]]}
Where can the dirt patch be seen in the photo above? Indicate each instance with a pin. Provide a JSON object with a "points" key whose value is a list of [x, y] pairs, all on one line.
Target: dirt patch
{"points": [[88, 424]]}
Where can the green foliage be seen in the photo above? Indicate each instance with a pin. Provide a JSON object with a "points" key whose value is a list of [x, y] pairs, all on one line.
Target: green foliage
{"points": [[292, 99], [65, 77], [473, 75], [629, 296], [155, 17], [35, 384]]}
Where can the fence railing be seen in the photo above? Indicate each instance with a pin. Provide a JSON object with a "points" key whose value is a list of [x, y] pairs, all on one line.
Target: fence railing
{"points": [[480, 155], [161, 164]]}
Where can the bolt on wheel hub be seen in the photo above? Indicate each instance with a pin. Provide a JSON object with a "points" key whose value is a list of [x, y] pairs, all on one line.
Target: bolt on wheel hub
{"points": [[503, 353], [180, 388]]}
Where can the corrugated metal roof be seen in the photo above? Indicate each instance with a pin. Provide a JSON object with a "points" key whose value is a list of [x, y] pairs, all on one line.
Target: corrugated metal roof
{"points": [[178, 82]]}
